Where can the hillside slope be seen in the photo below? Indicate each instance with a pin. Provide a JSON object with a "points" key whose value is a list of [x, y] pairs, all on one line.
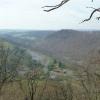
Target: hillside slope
{"points": [[71, 44]]}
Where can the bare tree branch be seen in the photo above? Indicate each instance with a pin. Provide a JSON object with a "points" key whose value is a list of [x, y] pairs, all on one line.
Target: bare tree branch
{"points": [[56, 6], [91, 15], [50, 8]]}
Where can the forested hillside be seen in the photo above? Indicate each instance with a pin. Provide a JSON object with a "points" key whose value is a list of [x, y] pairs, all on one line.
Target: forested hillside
{"points": [[71, 44]]}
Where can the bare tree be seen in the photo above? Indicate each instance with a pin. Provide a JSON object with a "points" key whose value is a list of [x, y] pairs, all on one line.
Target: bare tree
{"points": [[67, 91], [9, 62], [31, 81]]}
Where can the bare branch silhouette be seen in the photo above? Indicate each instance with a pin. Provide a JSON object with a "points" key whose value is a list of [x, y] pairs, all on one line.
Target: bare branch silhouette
{"points": [[51, 8], [91, 15], [56, 6]]}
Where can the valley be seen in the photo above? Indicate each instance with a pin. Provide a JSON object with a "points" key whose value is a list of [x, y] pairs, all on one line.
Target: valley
{"points": [[49, 65], [68, 46]]}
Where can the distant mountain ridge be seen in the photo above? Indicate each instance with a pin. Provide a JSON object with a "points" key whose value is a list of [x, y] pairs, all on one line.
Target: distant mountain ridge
{"points": [[66, 45], [71, 44], [27, 38]]}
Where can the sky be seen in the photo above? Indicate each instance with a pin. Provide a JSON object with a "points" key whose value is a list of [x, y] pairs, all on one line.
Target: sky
{"points": [[28, 14]]}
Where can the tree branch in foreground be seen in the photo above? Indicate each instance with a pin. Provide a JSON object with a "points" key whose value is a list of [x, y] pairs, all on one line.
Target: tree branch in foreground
{"points": [[91, 15], [51, 8], [56, 6]]}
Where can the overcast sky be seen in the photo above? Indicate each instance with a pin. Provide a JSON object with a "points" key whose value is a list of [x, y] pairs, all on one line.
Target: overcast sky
{"points": [[28, 14]]}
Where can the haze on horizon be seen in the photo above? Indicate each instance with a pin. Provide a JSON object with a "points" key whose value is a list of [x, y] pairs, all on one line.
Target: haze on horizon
{"points": [[28, 14]]}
